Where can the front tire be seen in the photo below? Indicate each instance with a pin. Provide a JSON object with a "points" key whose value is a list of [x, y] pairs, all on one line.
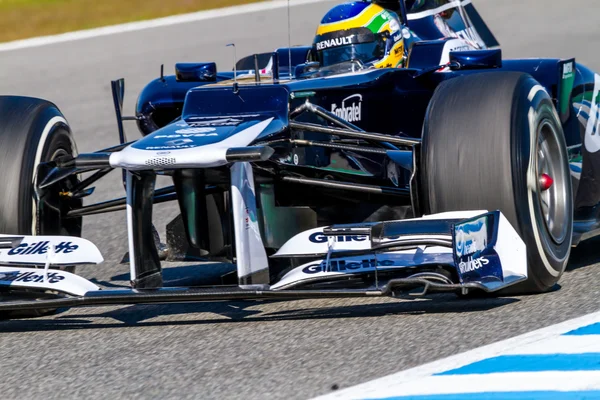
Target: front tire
{"points": [[487, 140], [32, 132]]}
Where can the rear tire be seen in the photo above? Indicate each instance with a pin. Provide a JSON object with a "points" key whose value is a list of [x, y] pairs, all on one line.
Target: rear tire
{"points": [[33, 131], [487, 139]]}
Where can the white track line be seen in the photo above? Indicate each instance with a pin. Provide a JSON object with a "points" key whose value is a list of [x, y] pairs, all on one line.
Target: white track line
{"points": [[569, 344], [154, 23], [548, 381], [392, 383]]}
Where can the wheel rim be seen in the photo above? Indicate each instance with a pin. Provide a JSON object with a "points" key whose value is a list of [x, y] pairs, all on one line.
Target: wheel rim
{"points": [[51, 222], [552, 195]]}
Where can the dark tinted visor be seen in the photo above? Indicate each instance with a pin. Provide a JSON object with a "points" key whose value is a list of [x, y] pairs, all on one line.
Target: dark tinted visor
{"points": [[352, 44], [364, 52]]}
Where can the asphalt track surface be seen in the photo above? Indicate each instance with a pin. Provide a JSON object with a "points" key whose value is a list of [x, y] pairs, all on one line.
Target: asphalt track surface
{"points": [[290, 350]]}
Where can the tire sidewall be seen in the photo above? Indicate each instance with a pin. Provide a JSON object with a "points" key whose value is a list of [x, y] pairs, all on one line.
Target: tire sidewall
{"points": [[31, 131], [51, 131], [480, 151], [533, 108]]}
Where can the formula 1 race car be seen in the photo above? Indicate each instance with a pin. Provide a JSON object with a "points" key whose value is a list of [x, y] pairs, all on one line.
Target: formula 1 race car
{"points": [[460, 172]]}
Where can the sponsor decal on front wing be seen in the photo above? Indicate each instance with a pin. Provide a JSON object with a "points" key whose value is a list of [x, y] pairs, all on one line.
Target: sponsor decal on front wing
{"points": [[323, 269], [42, 248], [366, 263], [319, 237], [58, 250], [471, 237], [26, 277], [470, 264], [347, 265], [474, 249], [38, 279], [314, 241]]}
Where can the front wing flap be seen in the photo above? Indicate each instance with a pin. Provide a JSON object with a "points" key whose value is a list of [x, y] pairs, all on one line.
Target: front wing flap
{"points": [[484, 248]]}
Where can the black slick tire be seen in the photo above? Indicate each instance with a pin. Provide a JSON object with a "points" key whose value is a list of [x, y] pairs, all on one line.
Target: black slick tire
{"points": [[482, 139], [33, 131]]}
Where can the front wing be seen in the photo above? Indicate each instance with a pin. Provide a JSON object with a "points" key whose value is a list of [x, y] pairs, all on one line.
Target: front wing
{"points": [[481, 251]]}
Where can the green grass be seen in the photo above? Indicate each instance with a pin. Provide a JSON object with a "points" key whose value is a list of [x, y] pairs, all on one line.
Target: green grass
{"points": [[20, 19]]}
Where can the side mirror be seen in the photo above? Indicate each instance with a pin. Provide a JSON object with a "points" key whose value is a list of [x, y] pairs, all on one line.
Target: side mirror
{"points": [[476, 59], [247, 63], [196, 72], [306, 68]]}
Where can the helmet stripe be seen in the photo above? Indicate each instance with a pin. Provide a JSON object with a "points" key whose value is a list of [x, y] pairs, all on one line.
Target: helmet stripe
{"points": [[384, 27], [377, 23], [344, 11], [363, 19]]}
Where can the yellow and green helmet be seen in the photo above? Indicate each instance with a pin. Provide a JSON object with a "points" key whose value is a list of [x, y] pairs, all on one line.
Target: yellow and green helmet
{"points": [[360, 31]]}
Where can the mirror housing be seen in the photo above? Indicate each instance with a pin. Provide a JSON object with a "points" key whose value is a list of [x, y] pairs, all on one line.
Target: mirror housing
{"points": [[476, 59], [196, 72]]}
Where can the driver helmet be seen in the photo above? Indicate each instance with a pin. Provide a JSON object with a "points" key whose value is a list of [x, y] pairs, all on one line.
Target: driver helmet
{"points": [[360, 31]]}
